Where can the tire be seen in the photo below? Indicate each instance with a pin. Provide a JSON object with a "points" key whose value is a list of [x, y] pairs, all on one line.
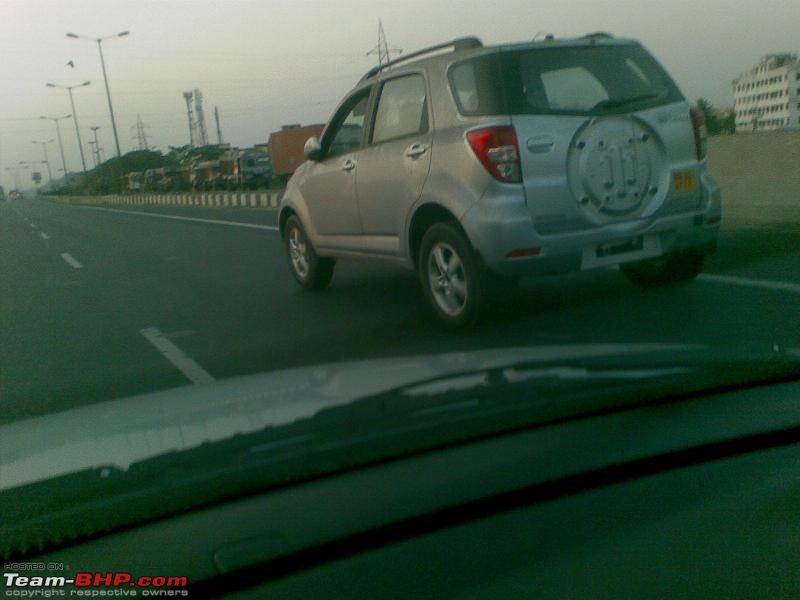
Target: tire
{"points": [[671, 268], [451, 275], [312, 272]]}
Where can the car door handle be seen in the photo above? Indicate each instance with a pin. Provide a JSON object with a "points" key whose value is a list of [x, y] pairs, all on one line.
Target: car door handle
{"points": [[415, 150], [348, 165]]}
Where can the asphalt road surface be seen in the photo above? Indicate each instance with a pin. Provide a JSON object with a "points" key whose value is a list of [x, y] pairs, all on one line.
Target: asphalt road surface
{"points": [[97, 304]]}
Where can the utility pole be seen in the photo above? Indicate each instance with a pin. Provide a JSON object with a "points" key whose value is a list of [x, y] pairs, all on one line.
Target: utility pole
{"points": [[96, 146], [60, 145], [219, 131], [382, 49]]}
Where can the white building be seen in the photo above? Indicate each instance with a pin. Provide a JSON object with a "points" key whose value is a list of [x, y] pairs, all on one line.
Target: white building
{"points": [[767, 97]]}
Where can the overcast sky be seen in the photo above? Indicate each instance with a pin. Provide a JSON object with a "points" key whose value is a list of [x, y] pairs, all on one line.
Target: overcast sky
{"points": [[269, 62]]}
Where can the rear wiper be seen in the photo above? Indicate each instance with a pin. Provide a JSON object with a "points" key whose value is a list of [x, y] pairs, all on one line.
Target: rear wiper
{"points": [[620, 102]]}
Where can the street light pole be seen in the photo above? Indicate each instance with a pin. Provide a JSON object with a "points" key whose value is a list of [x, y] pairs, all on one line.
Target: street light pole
{"points": [[93, 147], [46, 160], [15, 171], [96, 144], [58, 133], [105, 77], [69, 89]]}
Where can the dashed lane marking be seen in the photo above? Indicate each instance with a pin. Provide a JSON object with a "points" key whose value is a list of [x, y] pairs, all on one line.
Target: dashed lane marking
{"points": [[190, 369], [71, 261], [782, 286]]}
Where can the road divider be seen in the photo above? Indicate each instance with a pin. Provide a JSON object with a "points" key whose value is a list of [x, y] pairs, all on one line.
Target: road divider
{"points": [[265, 199]]}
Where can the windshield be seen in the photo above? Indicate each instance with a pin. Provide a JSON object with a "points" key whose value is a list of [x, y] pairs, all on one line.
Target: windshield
{"points": [[235, 253]]}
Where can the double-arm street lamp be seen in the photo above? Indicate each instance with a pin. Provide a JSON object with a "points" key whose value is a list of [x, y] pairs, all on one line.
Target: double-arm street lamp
{"points": [[15, 172], [69, 89], [60, 145], [46, 160], [105, 77]]}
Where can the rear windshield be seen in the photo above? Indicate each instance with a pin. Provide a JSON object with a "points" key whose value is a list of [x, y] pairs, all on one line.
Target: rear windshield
{"points": [[573, 81]]}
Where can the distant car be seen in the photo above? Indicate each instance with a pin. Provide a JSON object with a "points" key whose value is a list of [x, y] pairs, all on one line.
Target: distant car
{"points": [[484, 164], [15, 195]]}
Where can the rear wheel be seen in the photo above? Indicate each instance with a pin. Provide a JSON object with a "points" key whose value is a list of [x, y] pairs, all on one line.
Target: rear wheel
{"points": [[671, 268], [451, 275], [311, 271]]}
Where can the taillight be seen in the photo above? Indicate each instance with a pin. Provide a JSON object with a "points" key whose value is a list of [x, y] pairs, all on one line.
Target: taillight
{"points": [[700, 132], [496, 148]]}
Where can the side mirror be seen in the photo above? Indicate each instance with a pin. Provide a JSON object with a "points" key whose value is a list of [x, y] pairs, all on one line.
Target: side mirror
{"points": [[313, 148]]}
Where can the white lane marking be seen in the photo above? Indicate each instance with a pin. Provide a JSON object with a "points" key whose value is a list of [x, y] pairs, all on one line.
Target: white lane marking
{"points": [[177, 218], [783, 286], [33, 225], [71, 261], [191, 370], [44, 236]]}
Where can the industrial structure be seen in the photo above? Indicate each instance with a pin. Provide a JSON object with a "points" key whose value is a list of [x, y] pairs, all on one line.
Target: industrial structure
{"points": [[767, 97], [190, 113]]}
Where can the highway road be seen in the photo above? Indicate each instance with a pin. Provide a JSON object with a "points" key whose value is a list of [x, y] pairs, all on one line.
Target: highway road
{"points": [[97, 304]]}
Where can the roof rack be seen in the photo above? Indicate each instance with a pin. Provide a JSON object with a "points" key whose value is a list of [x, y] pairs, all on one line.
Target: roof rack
{"points": [[464, 43]]}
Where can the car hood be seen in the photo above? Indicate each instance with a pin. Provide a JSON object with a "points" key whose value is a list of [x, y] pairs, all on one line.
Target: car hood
{"points": [[119, 433]]}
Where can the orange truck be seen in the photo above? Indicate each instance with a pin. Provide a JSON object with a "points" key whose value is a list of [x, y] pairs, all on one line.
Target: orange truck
{"points": [[286, 147]]}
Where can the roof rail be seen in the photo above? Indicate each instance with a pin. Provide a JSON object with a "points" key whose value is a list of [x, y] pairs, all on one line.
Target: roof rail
{"points": [[598, 34], [464, 43]]}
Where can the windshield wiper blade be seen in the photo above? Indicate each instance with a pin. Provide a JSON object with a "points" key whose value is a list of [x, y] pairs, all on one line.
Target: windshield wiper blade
{"points": [[620, 102]]}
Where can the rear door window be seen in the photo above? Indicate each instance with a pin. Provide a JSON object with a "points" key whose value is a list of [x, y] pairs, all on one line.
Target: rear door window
{"points": [[580, 80], [402, 109]]}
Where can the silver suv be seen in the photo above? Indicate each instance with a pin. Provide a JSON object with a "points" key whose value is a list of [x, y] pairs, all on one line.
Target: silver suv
{"points": [[476, 165]]}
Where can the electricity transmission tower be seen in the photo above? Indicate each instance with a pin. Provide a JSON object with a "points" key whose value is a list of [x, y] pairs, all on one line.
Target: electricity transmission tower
{"points": [[382, 49], [141, 134]]}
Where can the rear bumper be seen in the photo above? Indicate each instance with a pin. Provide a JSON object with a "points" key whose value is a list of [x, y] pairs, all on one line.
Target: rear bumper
{"points": [[503, 225]]}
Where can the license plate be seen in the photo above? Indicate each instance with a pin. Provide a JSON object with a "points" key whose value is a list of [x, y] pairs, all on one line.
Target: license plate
{"points": [[684, 182], [620, 247]]}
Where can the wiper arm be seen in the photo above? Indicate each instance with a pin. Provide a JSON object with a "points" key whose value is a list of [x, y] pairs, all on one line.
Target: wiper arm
{"points": [[620, 102]]}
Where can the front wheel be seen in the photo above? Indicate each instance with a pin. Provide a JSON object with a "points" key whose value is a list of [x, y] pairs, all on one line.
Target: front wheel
{"points": [[671, 268], [311, 271], [451, 276]]}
